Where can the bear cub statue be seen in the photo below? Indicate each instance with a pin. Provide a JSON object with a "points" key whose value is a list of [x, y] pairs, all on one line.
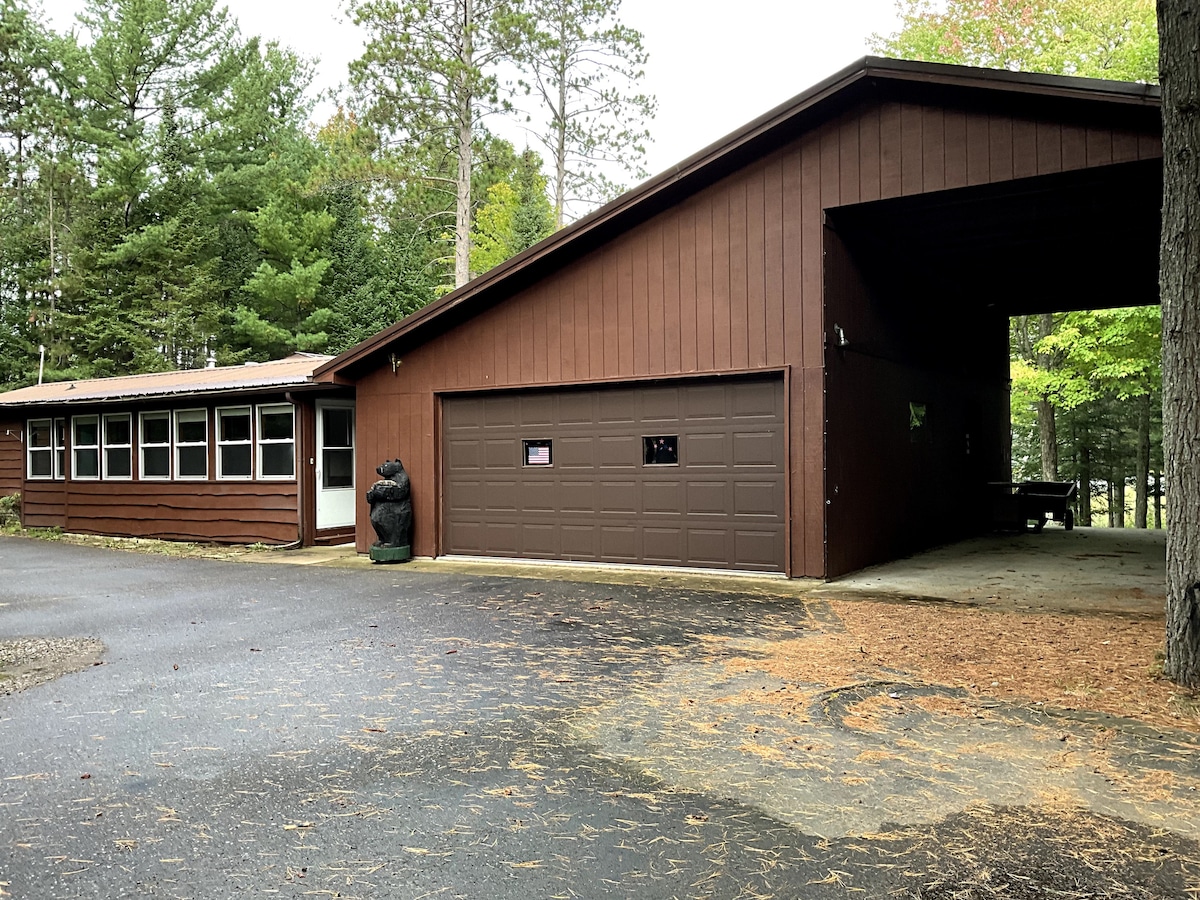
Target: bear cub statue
{"points": [[391, 507]]}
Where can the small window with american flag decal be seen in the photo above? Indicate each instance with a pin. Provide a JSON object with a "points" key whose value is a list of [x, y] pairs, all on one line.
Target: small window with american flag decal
{"points": [[538, 453]]}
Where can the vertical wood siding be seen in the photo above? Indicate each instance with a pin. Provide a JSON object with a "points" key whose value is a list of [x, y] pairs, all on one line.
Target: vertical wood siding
{"points": [[730, 279]]}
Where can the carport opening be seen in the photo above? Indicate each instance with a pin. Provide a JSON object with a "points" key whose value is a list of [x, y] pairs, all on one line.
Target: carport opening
{"points": [[924, 299], [1086, 408]]}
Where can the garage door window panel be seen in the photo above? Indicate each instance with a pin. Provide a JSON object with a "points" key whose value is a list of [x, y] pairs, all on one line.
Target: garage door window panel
{"points": [[660, 450], [537, 454]]}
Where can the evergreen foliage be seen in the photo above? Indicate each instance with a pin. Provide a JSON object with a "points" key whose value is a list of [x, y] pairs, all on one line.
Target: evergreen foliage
{"points": [[165, 201]]}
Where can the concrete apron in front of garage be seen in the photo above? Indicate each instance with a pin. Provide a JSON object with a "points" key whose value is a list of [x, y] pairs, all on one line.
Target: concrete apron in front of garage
{"points": [[703, 727], [1111, 570]]}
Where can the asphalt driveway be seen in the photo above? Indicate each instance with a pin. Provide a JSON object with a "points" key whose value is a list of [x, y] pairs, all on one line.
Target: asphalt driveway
{"points": [[384, 732]]}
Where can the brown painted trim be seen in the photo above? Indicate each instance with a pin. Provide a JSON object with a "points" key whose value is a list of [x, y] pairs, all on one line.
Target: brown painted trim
{"points": [[615, 382], [789, 521], [439, 485], [716, 160], [306, 471], [329, 536]]}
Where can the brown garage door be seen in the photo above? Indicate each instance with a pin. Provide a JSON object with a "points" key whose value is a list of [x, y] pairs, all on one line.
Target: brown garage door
{"points": [[679, 475]]}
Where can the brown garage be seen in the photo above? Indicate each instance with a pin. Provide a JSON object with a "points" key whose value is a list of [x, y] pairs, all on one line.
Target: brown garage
{"points": [[860, 248], [681, 474]]}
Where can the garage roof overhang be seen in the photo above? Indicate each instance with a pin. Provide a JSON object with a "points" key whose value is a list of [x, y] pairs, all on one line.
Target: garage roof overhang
{"points": [[1071, 99], [1087, 239]]}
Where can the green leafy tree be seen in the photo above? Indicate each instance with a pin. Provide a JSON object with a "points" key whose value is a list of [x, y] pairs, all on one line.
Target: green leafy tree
{"points": [[1115, 39], [584, 67], [515, 216]]}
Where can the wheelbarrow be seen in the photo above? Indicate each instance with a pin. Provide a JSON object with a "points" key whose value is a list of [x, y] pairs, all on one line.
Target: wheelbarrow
{"points": [[1015, 505]]}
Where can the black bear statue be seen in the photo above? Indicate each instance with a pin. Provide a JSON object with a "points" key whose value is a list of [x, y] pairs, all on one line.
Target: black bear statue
{"points": [[391, 513]]}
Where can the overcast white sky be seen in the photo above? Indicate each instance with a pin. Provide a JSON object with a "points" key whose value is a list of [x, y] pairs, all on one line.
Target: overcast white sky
{"points": [[713, 65]]}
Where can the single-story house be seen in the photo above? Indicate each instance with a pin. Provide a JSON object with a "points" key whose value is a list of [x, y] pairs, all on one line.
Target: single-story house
{"points": [[788, 353], [257, 452]]}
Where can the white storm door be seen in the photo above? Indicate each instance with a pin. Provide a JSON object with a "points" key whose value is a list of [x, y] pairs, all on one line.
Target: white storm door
{"points": [[335, 464]]}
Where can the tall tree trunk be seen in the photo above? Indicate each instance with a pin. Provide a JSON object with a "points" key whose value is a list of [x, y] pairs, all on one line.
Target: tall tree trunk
{"points": [[1179, 291], [1143, 461], [560, 147], [1084, 500], [462, 210], [1047, 429], [1158, 501], [466, 117], [1112, 519], [1118, 496], [1048, 432]]}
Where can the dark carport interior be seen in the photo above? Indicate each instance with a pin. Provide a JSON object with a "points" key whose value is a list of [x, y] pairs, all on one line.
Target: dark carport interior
{"points": [[918, 293]]}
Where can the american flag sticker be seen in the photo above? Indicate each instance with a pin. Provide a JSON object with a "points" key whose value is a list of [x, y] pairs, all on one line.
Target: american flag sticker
{"points": [[537, 453]]}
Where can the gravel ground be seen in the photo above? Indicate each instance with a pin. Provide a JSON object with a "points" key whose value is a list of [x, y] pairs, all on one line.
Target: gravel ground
{"points": [[26, 662]]}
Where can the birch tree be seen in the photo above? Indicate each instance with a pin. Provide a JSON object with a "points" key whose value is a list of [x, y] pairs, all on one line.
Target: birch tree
{"points": [[429, 73], [583, 67], [1179, 288]]}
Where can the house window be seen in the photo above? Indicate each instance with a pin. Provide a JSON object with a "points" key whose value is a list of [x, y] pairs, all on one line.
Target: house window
{"points": [[40, 450], [234, 449], [118, 446], [538, 453], [156, 445], [660, 450], [85, 442], [191, 443], [276, 441]]}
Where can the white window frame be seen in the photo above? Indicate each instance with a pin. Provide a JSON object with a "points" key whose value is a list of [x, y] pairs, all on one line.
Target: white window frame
{"points": [[105, 446], [58, 440], [178, 445], [30, 450], [77, 447], [144, 445], [248, 442], [261, 441]]}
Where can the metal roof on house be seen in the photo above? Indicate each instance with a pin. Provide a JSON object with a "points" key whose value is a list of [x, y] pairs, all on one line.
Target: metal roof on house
{"points": [[293, 370], [868, 77]]}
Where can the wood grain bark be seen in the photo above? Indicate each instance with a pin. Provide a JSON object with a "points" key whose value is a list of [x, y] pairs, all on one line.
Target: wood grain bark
{"points": [[1179, 285]]}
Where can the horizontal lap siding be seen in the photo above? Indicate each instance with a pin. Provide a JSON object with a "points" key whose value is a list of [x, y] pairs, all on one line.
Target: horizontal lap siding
{"points": [[730, 279], [12, 457], [202, 511]]}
